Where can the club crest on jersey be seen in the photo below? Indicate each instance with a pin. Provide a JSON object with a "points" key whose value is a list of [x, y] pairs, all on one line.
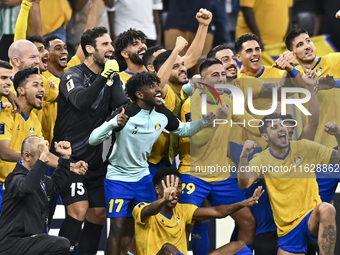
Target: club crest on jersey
{"points": [[70, 85], [318, 70], [32, 130], [134, 130], [178, 220], [297, 160], [158, 126], [109, 82]]}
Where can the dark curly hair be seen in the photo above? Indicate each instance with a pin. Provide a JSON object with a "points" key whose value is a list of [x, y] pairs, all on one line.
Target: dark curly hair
{"points": [[125, 39], [137, 81], [245, 38]]}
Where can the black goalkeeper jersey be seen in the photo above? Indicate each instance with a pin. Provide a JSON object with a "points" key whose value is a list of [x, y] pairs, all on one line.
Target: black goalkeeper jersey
{"points": [[85, 101]]}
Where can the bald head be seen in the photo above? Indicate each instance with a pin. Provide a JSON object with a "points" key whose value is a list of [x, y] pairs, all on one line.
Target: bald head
{"points": [[23, 54], [29, 146]]}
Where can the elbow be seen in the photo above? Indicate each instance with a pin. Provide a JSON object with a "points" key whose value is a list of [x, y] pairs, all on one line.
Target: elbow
{"points": [[93, 141], [243, 184], [4, 156]]}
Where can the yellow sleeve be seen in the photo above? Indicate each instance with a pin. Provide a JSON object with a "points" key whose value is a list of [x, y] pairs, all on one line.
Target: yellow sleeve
{"points": [[321, 153], [21, 24], [137, 211], [50, 94], [333, 60], [73, 62], [7, 122], [255, 164], [189, 211], [170, 99], [247, 3]]}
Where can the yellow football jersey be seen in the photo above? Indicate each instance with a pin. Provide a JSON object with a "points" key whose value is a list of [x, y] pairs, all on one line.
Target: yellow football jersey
{"points": [[163, 142], [265, 11], [16, 127], [291, 183], [125, 75], [329, 103], [209, 147], [160, 229]]}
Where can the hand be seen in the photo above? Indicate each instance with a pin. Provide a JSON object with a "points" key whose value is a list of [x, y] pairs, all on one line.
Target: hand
{"points": [[80, 167], [204, 17], [180, 43], [209, 117], [324, 83], [332, 128], [43, 150], [248, 148], [283, 64], [64, 149], [14, 100], [254, 198], [170, 188], [289, 56], [52, 85], [278, 108], [6, 105], [222, 112], [310, 78], [337, 15], [122, 118], [111, 69]]}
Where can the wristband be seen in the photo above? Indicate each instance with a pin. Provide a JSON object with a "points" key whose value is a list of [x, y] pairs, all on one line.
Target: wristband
{"points": [[337, 84], [293, 73]]}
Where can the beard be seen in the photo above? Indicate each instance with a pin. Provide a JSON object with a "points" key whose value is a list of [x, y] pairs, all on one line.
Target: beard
{"points": [[176, 80], [135, 59], [99, 60]]}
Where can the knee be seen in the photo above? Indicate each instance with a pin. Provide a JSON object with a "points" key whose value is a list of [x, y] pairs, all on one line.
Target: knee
{"points": [[63, 244], [117, 227], [326, 211], [168, 248], [78, 212]]}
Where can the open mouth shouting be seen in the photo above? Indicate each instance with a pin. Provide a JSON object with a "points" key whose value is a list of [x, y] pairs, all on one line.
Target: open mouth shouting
{"points": [[283, 138], [40, 97], [44, 60], [141, 52], [158, 97]]}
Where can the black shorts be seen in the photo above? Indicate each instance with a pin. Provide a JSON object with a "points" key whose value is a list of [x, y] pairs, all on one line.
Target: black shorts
{"points": [[88, 187], [265, 243]]}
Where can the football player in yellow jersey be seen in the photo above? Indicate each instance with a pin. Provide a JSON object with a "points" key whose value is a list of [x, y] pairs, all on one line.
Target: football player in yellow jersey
{"points": [[298, 42], [160, 225], [288, 169], [211, 148], [5, 83]]}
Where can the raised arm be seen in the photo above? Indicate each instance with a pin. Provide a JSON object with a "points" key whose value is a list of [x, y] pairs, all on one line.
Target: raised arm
{"points": [[8, 154], [36, 23], [104, 131], [333, 129], [21, 24], [90, 23], [165, 71], [221, 211], [195, 50], [245, 175], [309, 131], [169, 194]]}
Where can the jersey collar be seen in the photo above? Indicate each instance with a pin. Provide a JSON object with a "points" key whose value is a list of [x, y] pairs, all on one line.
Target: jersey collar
{"points": [[280, 158]]}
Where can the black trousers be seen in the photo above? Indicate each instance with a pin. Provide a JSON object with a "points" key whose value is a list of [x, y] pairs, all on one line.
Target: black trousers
{"points": [[41, 244], [265, 244]]}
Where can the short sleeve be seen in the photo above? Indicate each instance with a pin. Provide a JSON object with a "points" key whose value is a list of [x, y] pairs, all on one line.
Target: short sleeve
{"points": [[137, 211], [247, 3], [170, 99], [189, 211], [50, 94], [321, 153], [157, 5], [6, 124], [255, 164]]}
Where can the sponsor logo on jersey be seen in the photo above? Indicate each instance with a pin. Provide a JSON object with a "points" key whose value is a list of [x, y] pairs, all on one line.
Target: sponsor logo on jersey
{"points": [[32, 130], [68, 76], [158, 126], [134, 130]]}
